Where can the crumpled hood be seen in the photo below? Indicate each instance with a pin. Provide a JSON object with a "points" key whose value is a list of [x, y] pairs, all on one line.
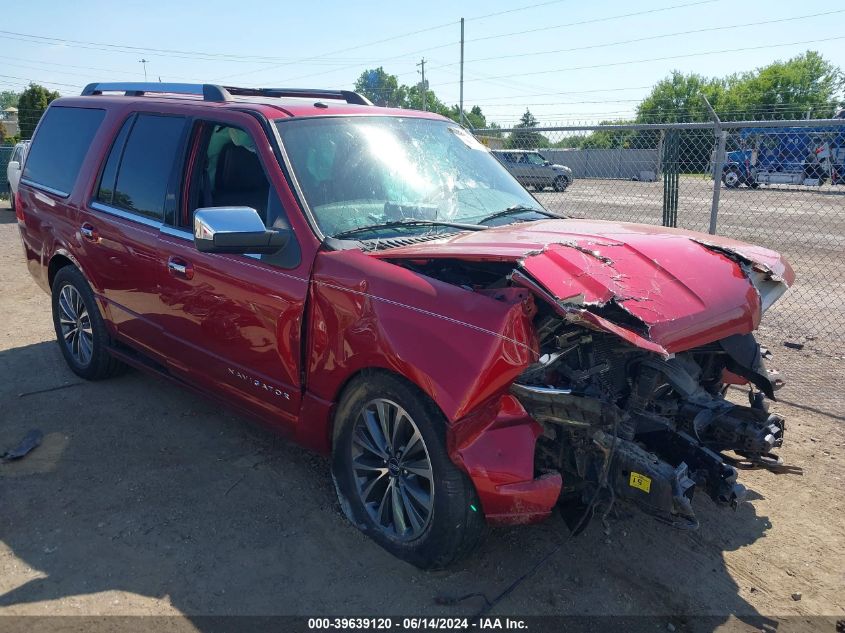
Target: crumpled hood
{"points": [[662, 289]]}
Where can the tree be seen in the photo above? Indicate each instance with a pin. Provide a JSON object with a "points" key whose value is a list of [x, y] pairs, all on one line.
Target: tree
{"points": [[678, 99], [790, 89], [382, 88], [9, 99], [31, 105], [524, 136]]}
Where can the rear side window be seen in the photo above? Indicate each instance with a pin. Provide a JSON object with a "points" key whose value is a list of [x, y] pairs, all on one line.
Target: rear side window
{"points": [[140, 164], [60, 146]]}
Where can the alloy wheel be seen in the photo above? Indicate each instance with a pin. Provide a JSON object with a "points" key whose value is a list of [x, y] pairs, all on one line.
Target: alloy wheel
{"points": [[392, 470], [75, 322]]}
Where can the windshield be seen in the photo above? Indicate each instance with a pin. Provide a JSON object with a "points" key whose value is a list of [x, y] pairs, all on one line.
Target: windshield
{"points": [[367, 171]]}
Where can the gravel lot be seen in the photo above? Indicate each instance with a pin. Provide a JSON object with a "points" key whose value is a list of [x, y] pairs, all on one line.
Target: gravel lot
{"points": [[147, 500]]}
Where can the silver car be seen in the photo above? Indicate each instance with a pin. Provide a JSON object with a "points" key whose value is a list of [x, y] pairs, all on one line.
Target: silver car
{"points": [[531, 169], [14, 168]]}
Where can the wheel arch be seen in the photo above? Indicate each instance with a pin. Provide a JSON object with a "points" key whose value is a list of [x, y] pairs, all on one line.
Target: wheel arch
{"points": [[371, 372], [61, 258], [57, 262]]}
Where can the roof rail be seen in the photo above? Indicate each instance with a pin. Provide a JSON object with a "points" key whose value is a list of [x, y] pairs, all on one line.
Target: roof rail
{"points": [[308, 93], [209, 92], [213, 92]]}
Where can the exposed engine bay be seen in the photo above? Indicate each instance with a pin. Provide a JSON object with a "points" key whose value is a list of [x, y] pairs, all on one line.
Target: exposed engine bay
{"points": [[646, 429], [623, 423]]}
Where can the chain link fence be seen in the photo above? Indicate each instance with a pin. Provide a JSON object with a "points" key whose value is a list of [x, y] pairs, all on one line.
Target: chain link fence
{"points": [[780, 184]]}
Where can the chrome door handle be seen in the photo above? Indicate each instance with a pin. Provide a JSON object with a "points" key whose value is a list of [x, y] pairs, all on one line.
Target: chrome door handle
{"points": [[180, 268], [89, 232]]}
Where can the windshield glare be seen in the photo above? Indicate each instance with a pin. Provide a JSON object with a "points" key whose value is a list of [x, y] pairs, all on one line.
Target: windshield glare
{"points": [[362, 171]]}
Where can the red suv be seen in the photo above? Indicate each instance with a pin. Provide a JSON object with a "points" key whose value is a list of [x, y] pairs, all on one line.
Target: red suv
{"points": [[375, 285]]}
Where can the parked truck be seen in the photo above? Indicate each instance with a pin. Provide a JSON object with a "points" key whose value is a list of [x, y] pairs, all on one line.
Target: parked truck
{"points": [[809, 156]]}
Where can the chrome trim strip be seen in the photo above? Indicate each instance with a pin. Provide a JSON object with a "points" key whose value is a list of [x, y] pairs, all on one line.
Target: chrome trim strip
{"points": [[174, 232], [126, 215], [35, 185], [545, 391]]}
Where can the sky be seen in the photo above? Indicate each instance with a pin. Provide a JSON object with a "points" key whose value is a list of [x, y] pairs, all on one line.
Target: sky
{"points": [[567, 60]]}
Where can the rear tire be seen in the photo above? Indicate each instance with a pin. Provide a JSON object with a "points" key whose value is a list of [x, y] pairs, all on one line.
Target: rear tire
{"points": [[560, 184], [732, 178], [11, 199], [80, 329], [399, 487]]}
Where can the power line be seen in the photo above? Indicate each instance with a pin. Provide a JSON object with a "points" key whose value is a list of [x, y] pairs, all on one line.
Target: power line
{"points": [[170, 53], [571, 92], [506, 11], [595, 20], [344, 50], [412, 53], [644, 39], [657, 59], [42, 81]]}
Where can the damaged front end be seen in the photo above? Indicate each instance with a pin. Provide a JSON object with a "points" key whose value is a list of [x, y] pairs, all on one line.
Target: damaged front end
{"points": [[622, 421], [640, 332]]}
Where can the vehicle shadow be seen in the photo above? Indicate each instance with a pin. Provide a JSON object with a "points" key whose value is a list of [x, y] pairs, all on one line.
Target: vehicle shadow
{"points": [[145, 499]]}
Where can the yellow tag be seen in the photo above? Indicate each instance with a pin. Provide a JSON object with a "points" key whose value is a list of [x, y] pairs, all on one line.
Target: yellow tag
{"points": [[640, 481]]}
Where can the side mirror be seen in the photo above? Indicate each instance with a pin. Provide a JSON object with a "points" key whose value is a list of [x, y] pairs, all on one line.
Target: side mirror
{"points": [[13, 164], [236, 230]]}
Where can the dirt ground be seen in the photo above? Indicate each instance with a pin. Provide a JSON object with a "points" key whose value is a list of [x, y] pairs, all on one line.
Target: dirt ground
{"points": [[147, 500]]}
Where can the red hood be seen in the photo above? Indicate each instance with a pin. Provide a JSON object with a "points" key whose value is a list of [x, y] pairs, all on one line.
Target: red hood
{"points": [[680, 289]]}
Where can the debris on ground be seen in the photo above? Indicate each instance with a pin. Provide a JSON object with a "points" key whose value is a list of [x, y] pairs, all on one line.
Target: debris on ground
{"points": [[30, 441], [796, 596], [792, 345]]}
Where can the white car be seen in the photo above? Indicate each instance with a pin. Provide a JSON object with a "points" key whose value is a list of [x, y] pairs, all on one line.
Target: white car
{"points": [[14, 169]]}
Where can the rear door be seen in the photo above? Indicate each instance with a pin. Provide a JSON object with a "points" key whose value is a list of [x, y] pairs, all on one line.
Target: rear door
{"points": [[121, 225], [234, 321]]}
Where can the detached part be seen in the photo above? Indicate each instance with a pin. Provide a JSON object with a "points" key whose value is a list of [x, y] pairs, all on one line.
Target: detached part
{"points": [[31, 441]]}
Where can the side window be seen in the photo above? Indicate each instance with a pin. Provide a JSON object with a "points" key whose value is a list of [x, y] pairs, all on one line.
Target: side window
{"points": [[105, 192], [60, 145], [141, 166], [229, 173]]}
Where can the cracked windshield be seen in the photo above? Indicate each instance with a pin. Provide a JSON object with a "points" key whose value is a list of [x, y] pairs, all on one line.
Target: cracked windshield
{"points": [[383, 176]]}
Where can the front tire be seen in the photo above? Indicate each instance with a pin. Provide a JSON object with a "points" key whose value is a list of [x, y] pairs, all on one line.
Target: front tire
{"points": [[80, 329], [393, 475]]}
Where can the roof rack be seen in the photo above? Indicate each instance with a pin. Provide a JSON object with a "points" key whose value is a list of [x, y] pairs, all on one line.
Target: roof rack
{"points": [[213, 92]]}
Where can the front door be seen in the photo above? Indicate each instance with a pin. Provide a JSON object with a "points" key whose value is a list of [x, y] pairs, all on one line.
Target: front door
{"points": [[234, 321]]}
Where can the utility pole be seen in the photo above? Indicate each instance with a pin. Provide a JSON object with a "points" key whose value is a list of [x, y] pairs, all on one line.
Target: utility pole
{"points": [[461, 114], [144, 62], [422, 84]]}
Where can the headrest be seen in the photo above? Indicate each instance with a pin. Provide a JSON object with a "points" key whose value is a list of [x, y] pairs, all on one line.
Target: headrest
{"points": [[239, 169]]}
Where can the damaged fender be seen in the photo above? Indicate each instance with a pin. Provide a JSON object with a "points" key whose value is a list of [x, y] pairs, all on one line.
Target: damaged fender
{"points": [[463, 349]]}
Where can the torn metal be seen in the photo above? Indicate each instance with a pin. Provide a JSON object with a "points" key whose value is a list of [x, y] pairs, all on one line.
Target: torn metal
{"points": [[639, 331]]}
